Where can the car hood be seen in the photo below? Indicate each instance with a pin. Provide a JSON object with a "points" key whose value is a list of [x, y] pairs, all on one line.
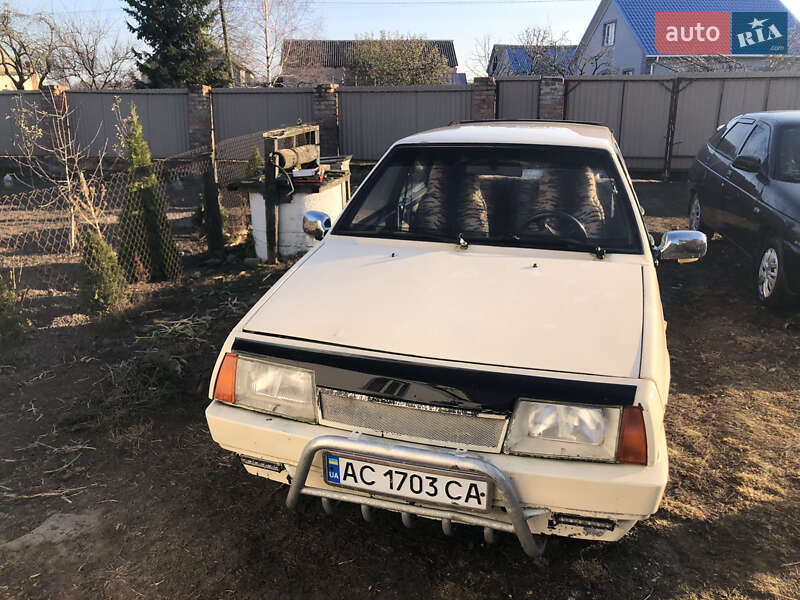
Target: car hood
{"points": [[511, 307]]}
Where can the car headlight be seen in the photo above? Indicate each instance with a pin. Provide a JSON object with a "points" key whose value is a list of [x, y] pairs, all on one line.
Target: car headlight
{"points": [[266, 387], [564, 430]]}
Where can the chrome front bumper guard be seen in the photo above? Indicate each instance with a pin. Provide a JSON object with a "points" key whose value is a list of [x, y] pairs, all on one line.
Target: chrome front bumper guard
{"points": [[519, 525]]}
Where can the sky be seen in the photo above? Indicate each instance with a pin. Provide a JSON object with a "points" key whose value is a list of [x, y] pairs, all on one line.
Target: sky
{"points": [[462, 21]]}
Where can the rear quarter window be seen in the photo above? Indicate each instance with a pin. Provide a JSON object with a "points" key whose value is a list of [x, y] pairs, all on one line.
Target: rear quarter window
{"points": [[734, 138]]}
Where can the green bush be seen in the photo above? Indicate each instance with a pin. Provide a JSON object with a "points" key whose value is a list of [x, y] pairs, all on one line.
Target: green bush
{"points": [[199, 214], [249, 246], [147, 250], [11, 325], [101, 285], [255, 164]]}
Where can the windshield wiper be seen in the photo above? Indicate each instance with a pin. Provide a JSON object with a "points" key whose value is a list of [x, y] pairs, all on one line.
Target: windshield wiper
{"points": [[550, 243]]}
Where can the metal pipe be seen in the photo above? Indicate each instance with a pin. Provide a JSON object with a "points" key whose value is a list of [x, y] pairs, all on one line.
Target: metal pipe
{"points": [[293, 157], [530, 544], [366, 512], [420, 511], [447, 527]]}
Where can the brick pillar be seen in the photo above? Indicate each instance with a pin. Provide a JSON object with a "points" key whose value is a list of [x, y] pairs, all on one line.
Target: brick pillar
{"points": [[325, 111], [551, 98], [201, 132], [484, 99]]}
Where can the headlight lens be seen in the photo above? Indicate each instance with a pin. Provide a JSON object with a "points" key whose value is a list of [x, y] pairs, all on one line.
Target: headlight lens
{"points": [[275, 389], [567, 430]]}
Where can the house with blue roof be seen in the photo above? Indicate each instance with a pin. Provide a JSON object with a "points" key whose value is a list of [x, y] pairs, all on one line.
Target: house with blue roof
{"points": [[621, 37], [520, 61]]}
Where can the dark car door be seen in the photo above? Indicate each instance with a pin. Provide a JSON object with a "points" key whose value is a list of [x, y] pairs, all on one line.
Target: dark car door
{"points": [[745, 207], [718, 206]]}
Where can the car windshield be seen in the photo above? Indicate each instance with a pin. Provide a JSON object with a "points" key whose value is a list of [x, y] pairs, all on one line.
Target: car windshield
{"points": [[787, 165], [532, 196]]}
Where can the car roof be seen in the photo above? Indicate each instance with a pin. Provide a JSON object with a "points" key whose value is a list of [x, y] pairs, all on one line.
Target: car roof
{"points": [[547, 133], [776, 117]]}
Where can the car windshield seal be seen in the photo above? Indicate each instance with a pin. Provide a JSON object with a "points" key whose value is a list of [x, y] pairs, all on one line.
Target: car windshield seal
{"points": [[516, 241]]}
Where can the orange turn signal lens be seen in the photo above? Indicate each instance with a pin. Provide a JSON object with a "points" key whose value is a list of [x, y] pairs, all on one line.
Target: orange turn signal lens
{"points": [[225, 386], [632, 439]]}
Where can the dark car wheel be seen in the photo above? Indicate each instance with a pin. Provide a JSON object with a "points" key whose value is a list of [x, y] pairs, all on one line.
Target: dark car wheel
{"points": [[696, 216], [770, 275]]}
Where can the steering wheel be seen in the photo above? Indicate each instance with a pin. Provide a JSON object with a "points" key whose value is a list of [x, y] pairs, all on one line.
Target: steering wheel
{"points": [[559, 214]]}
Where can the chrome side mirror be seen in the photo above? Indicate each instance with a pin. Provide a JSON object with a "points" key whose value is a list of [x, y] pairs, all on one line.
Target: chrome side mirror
{"points": [[316, 223], [682, 246]]}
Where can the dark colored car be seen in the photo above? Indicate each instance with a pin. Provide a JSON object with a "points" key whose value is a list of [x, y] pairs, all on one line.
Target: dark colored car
{"points": [[745, 185]]}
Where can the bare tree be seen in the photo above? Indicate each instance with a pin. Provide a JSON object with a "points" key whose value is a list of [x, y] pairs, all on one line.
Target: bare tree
{"points": [[547, 53], [27, 48], [48, 149], [478, 64], [552, 54], [92, 56], [258, 28]]}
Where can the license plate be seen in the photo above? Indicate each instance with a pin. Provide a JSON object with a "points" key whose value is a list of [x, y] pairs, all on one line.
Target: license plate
{"points": [[412, 482]]}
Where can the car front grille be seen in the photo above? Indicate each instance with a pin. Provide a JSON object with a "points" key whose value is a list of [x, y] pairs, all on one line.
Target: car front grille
{"points": [[427, 424]]}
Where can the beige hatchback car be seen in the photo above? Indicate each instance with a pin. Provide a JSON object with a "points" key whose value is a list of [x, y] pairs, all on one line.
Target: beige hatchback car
{"points": [[479, 339]]}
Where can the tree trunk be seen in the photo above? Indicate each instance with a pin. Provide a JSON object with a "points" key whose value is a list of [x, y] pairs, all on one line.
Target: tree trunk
{"points": [[266, 42], [225, 39]]}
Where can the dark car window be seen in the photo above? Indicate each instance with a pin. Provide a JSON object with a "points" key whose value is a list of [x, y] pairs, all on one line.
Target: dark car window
{"points": [[528, 196], [757, 145], [714, 139], [733, 139], [787, 163]]}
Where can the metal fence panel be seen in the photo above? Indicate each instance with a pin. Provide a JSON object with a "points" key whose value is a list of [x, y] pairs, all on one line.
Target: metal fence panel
{"points": [[783, 94], [518, 99], [697, 117], [8, 102], [163, 114], [645, 114], [595, 100], [741, 96], [239, 112], [371, 119]]}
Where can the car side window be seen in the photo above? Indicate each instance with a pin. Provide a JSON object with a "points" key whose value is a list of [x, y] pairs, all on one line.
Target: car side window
{"points": [[730, 144], [757, 145], [714, 139]]}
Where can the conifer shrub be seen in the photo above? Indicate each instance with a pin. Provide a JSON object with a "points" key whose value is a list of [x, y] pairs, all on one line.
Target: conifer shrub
{"points": [[101, 284], [147, 250], [11, 324]]}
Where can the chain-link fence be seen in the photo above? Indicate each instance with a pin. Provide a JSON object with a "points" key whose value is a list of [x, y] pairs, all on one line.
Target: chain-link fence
{"points": [[44, 232], [49, 235], [238, 159]]}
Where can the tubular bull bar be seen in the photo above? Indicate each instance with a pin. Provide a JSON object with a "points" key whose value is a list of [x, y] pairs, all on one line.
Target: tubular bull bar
{"points": [[417, 456]]}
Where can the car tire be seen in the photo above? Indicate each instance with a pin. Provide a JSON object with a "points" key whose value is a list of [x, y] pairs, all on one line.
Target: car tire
{"points": [[770, 279], [696, 216]]}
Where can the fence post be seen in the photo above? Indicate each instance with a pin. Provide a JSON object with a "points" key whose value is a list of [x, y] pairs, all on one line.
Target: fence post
{"points": [[551, 98], [214, 237], [483, 99], [325, 111], [201, 135], [270, 196], [671, 119]]}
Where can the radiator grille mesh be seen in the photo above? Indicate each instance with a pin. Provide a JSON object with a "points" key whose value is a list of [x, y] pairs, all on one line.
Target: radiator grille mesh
{"points": [[412, 422]]}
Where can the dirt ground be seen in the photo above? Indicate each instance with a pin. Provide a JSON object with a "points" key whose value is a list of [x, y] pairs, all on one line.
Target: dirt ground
{"points": [[110, 486]]}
